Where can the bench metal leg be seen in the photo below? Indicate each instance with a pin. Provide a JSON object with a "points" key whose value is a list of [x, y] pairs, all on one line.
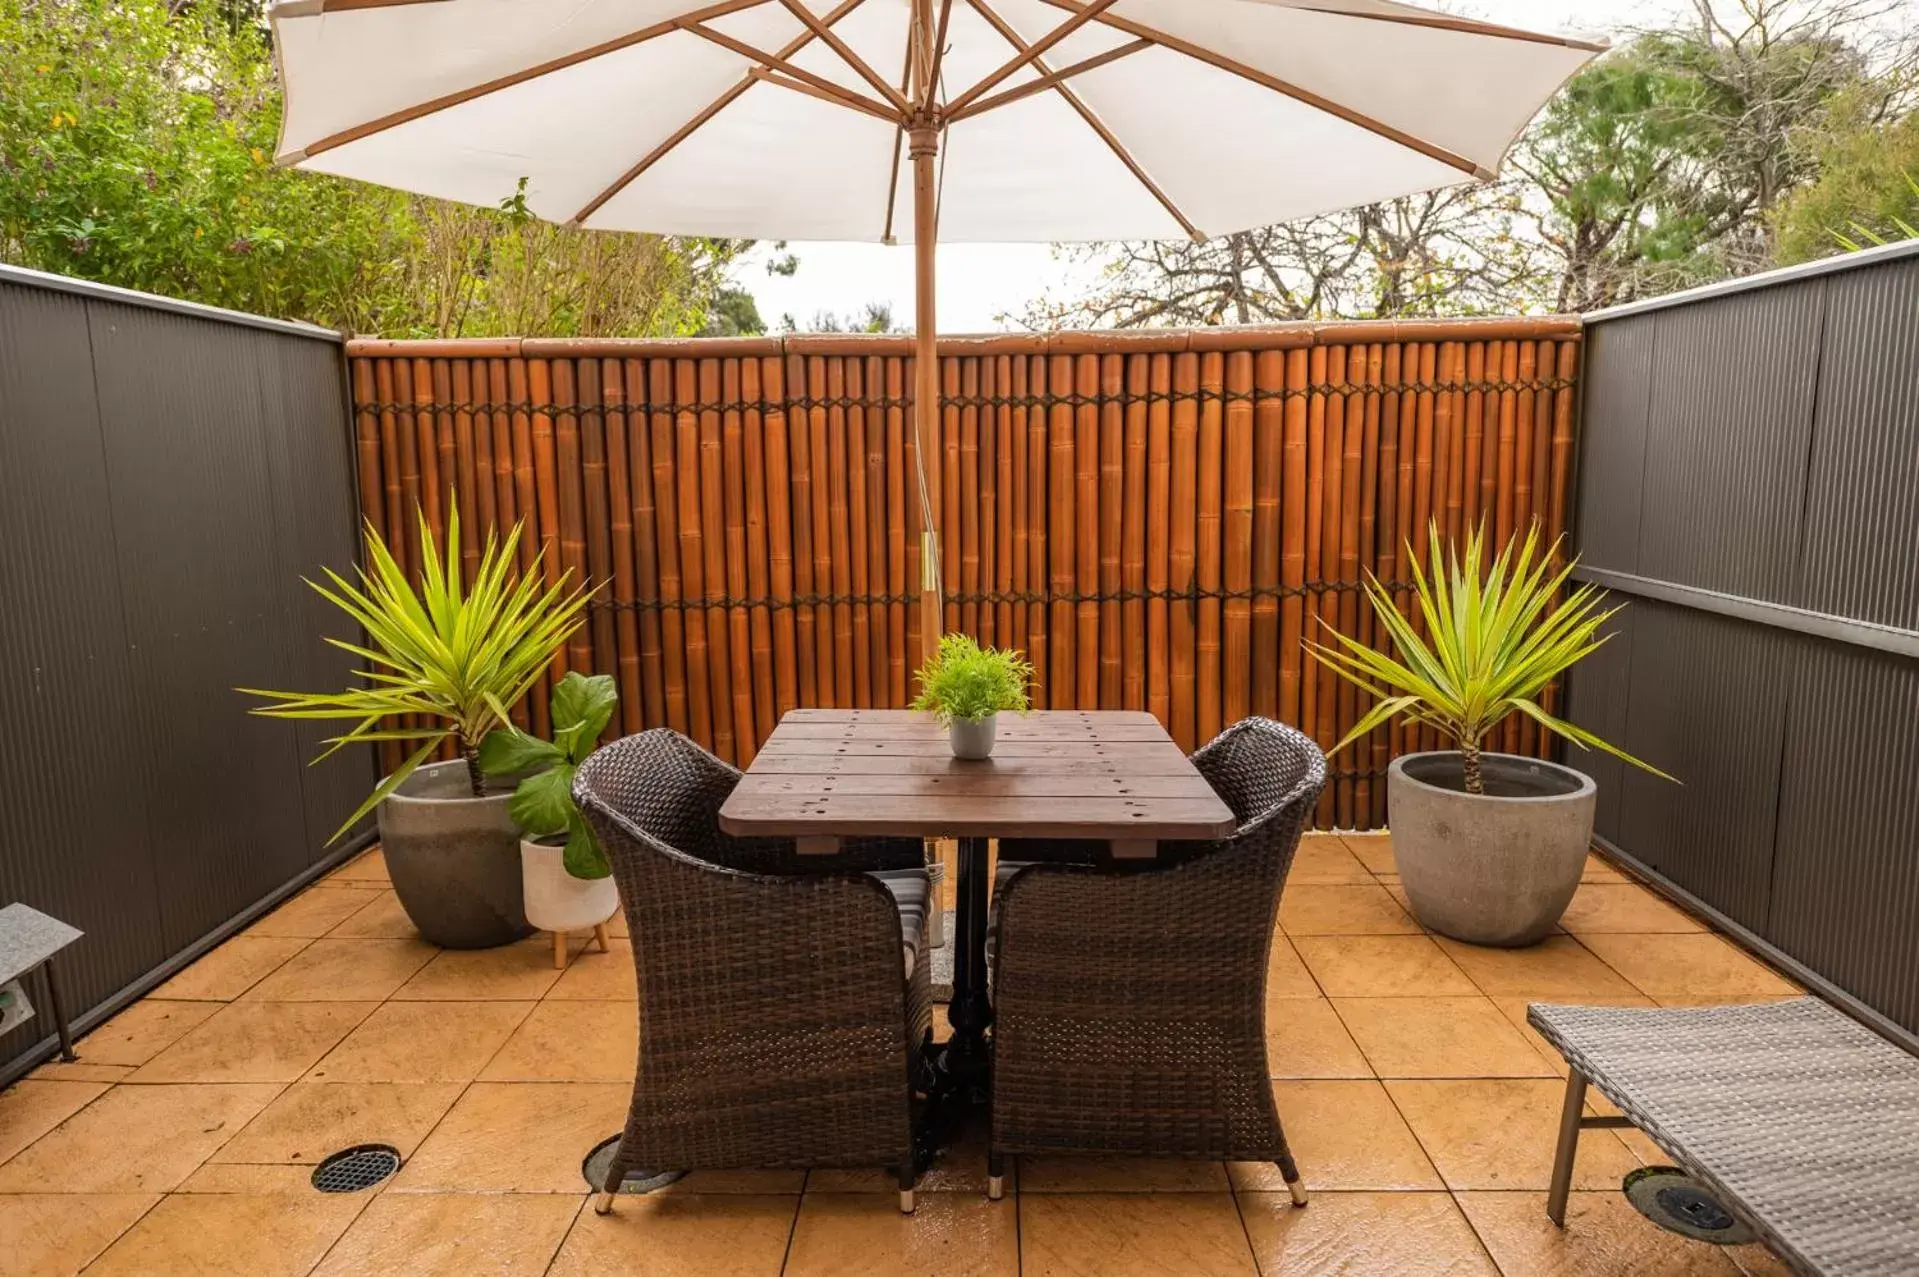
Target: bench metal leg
{"points": [[1569, 1124], [59, 1012]]}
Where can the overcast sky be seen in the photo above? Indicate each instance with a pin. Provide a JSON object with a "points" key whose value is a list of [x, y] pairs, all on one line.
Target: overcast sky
{"points": [[979, 282]]}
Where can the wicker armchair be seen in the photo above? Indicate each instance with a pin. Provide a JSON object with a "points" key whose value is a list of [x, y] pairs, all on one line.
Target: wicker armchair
{"points": [[1129, 999], [779, 1027]]}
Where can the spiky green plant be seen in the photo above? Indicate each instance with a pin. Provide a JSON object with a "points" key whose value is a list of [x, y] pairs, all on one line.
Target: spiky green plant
{"points": [[1493, 641], [447, 651], [965, 680]]}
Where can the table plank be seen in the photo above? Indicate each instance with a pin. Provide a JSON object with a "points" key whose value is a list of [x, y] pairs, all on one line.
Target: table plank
{"points": [[940, 816], [982, 784], [1121, 753], [882, 764]]}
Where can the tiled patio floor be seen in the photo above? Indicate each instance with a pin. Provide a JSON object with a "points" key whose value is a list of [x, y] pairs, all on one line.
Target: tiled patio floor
{"points": [[1421, 1109]]}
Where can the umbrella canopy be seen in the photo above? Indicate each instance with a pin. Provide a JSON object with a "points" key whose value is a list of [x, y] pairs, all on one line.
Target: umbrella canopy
{"points": [[785, 119], [909, 120]]}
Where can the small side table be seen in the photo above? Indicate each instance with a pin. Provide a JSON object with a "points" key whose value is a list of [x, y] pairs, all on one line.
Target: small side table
{"points": [[29, 939]]}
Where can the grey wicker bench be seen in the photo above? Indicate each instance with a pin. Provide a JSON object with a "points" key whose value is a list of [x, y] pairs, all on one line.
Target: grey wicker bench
{"points": [[1803, 1122]]}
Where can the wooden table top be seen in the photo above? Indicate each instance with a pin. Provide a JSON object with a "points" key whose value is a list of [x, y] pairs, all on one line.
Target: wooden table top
{"points": [[1095, 774]]}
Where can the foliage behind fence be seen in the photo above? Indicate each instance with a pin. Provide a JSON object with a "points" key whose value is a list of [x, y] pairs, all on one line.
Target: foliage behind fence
{"points": [[1157, 519]]}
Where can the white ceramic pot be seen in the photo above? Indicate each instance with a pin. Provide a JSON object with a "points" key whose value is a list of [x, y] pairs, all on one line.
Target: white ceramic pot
{"points": [[555, 899], [973, 737]]}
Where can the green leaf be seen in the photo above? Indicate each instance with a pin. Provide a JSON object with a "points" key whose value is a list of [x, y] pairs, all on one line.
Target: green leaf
{"points": [[507, 751], [582, 707], [543, 804], [583, 857]]}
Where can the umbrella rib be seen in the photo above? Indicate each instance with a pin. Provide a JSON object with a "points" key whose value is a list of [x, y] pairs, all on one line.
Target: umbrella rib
{"points": [[852, 59], [433, 106], [1030, 54], [1283, 87], [774, 62], [712, 109], [1008, 96], [1471, 26], [939, 56], [1092, 120], [899, 148]]}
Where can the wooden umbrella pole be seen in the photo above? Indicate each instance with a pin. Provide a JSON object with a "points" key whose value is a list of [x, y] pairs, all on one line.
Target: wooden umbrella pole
{"points": [[923, 144]]}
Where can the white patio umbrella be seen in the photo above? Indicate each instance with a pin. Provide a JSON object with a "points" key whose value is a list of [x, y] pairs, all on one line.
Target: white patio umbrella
{"points": [[910, 120]]}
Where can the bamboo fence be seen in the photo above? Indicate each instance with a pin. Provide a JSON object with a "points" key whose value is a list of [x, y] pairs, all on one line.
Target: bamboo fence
{"points": [[1157, 518]]}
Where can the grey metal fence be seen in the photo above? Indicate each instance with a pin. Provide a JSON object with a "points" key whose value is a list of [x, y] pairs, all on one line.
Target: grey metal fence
{"points": [[168, 473], [1749, 482]]}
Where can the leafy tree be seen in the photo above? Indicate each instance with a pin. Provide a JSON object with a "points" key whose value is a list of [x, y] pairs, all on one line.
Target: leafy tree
{"points": [[1867, 191]]}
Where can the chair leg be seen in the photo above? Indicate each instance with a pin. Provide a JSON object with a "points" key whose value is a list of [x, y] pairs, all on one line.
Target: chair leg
{"points": [[610, 1188], [1569, 1115], [907, 1179], [1289, 1171], [995, 1176], [59, 1012]]}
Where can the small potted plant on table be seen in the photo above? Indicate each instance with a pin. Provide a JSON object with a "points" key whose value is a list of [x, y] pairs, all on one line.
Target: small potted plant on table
{"points": [[1490, 847], [967, 686], [569, 884]]}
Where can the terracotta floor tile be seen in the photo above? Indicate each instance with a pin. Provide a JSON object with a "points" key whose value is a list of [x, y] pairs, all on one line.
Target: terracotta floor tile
{"points": [[31, 1108], [259, 1236], [1604, 1237], [514, 972], [1117, 1235], [313, 1119], [80, 1071], [1689, 966], [1121, 1175], [1324, 858], [1355, 909], [55, 1234], [1624, 906], [1757, 1261], [1306, 1039], [1286, 976], [369, 866], [135, 1139], [687, 1235], [1363, 1234], [516, 1137], [1344, 1135], [764, 1183], [1598, 869], [1374, 851], [256, 1042], [142, 1031], [1382, 967], [333, 970], [231, 969], [948, 1235], [379, 917], [453, 1235], [599, 977], [1498, 1133], [1558, 969], [960, 1168], [257, 1179], [571, 1042], [423, 1042], [1438, 1037], [313, 912], [1514, 1009]]}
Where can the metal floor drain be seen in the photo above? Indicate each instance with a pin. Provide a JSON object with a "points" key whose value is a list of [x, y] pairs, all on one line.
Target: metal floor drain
{"points": [[352, 1170], [1680, 1204], [598, 1162]]}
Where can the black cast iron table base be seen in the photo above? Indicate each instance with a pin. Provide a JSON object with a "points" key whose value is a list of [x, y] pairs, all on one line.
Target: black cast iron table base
{"points": [[960, 1086]]}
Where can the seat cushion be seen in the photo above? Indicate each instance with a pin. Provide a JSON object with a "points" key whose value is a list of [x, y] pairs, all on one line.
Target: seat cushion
{"points": [[909, 890]]}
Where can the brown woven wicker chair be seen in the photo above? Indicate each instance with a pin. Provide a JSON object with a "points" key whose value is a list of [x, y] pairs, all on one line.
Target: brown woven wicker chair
{"points": [[1129, 1001], [779, 1026]]}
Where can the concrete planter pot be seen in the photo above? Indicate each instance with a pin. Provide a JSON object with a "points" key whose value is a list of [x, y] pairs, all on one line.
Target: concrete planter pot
{"points": [[973, 737], [455, 859], [555, 899], [1497, 868]]}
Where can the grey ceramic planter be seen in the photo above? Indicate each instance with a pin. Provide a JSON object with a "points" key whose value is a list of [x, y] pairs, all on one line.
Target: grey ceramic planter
{"points": [[455, 859], [1497, 868], [973, 737]]}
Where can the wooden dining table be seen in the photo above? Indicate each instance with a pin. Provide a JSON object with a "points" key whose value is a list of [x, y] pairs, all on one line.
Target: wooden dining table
{"points": [[1108, 776]]}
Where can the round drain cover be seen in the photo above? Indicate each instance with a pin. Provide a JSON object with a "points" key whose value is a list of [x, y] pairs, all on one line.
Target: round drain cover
{"points": [[1680, 1204], [601, 1159], [352, 1169]]}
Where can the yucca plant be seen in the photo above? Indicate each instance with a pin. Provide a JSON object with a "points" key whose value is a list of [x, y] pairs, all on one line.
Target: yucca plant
{"points": [[1493, 641], [449, 651]]}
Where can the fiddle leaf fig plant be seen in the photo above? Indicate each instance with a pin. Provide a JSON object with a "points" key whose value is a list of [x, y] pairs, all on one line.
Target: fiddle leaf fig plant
{"points": [[966, 681], [543, 803], [1493, 641]]}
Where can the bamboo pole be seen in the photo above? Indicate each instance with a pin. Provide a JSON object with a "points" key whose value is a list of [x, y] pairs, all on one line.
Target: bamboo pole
{"points": [[756, 375], [1064, 683], [732, 482], [780, 554], [859, 528], [692, 540], [1237, 541], [902, 631], [800, 472], [1183, 612], [1159, 469], [833, 540], [1132, 498], [1314, 581], [666, 513], [1206, 547], [963, 491], [619, 517], [1269, 432], [826, 647], [878, 534]]}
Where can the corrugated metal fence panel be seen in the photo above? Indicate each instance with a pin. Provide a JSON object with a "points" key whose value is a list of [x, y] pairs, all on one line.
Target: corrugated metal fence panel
{"points": [[1730, 405], [74, 841], [1599, 696], [1846, 884], [1777, 440], [1862, 541], [168, 477]]}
